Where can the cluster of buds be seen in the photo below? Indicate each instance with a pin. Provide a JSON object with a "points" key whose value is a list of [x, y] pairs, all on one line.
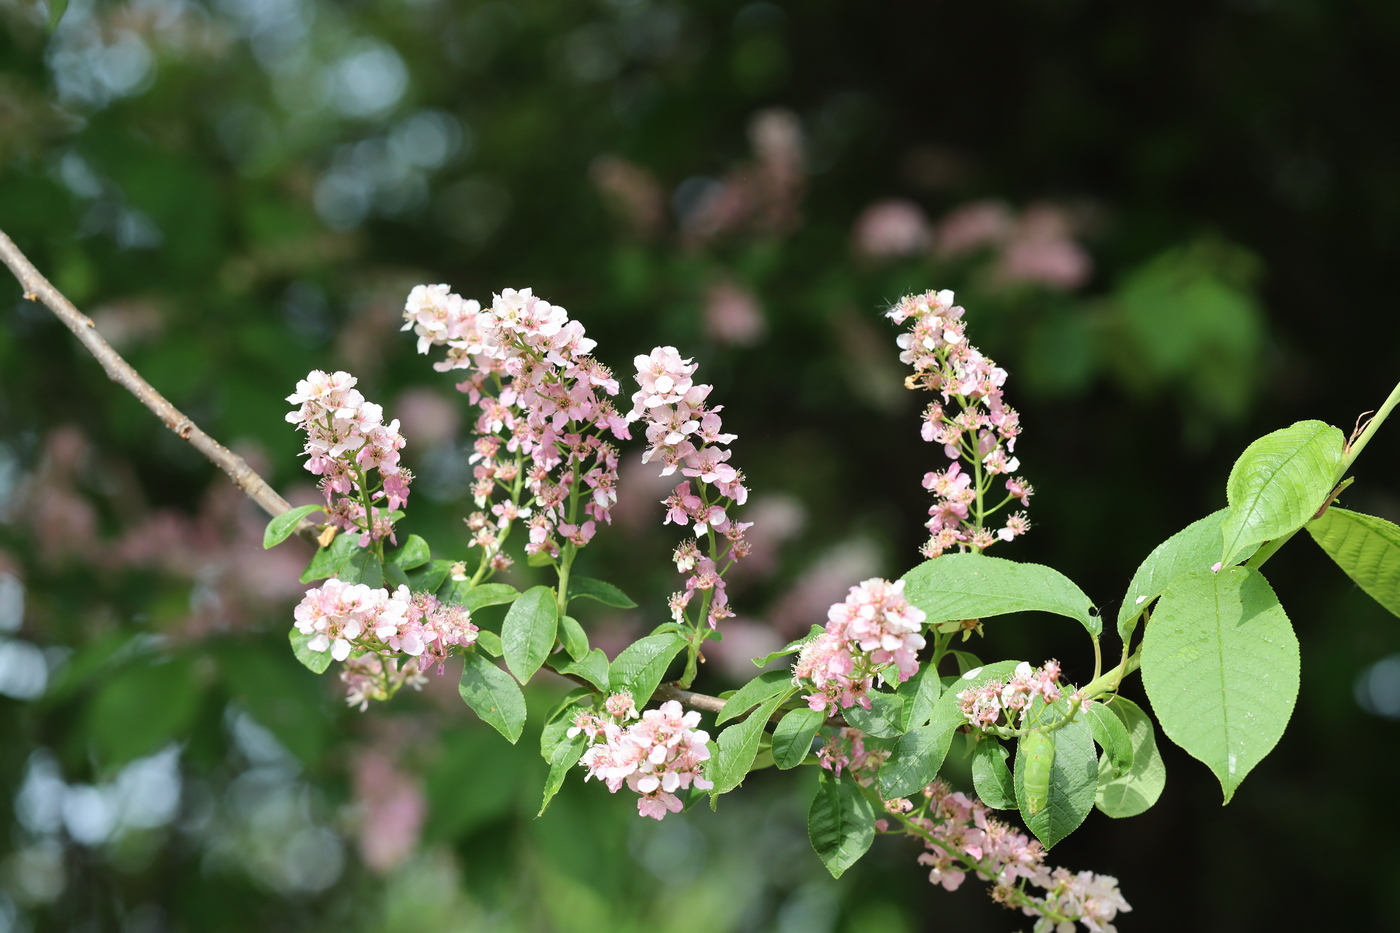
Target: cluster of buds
{"points": [[687, 436], [972, 422], [544, 410], [659, 754], [371, 628], [874, 630], [845, 750], [961, 838], [1007, 704], [346, 439]]}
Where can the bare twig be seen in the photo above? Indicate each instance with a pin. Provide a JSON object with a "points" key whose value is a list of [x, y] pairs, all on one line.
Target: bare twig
{"points": [[38, 288]]}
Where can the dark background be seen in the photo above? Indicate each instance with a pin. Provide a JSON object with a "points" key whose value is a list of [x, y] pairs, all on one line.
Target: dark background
{"points": [[1194, 208]]}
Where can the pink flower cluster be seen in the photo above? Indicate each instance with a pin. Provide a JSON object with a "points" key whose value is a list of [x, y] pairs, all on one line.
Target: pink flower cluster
{"points": [[544, 410], [376, 626], [656, 756], [961, 837], [874, 629], [846, 750], [1007, 704], [346, 439], [972, 422], [685, 435]]}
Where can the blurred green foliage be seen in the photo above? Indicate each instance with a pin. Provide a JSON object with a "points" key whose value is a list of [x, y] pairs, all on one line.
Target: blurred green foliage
{"points": [[1172, 225]]}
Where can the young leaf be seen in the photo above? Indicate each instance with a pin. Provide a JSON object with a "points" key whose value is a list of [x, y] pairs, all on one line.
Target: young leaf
{"points": [[473, 598], [793, 735], [281, 527], [566, 754], [331, 561], [1367, 549], [414, 553], [592, 667], [920, 692], [1220, 663], [972, 586], [573, 637], [739, 744], [884, 719], [527, 634], [429, 577], [639, 667], [792, 647], [917, 756], [840, 823], [314, 661], [1195, 547], [605, 593], [493, 695], [1136, 791], [1070, 781], [1112, 736], [1278, 483], [990, 776], [753, 693]]}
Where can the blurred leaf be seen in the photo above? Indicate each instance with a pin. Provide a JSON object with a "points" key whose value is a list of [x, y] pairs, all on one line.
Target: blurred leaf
{"points": [[144, 707], [414, 553], [430, 577]]}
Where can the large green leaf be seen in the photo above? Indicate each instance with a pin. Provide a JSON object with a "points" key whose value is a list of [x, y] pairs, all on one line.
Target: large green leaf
{"points": [[592, 667], [1367, 549], [414, 553], [1074, 774], [920, 692], [527, 634], [840, 822], [281, 527], [639, 667], [1195, 547], [739, 744], [1136, 791], [1220, 663], [973, 586], [915, 760], [753, 693], [493, 695], [143, 707], [793, 735], [1278, 483]]}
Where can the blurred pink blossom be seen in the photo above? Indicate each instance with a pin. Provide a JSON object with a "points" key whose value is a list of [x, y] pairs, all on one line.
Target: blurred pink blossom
{"points": [[890, 229], [427, 417], [822, 584], [633, 192], [733, 315], [392, 808], [1042, 251]]}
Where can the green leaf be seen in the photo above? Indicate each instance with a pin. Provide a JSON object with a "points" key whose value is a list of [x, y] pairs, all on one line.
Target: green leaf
{"points": [[143, 707], [592, 667], [414, 553], [1220, 663], [1367, 549], [473, 598], [281, 527], [920, 692], [753, 693], [605, 593], [990, 775], [573, 637], [791, 647], [493, 695], [739, 744], [527, 635], [793, 735], [566, 754], [56, 11], [559, 720], [430, 577], [840, 822], [364, 567], [884, 719], [917, 756], [639, 667], [1136, 791], [331, 561], [489, 642], [1279, 483], [1112, 736], [394, 577], [973, 586], [314, 661], [1073, 778], [540, 559]]}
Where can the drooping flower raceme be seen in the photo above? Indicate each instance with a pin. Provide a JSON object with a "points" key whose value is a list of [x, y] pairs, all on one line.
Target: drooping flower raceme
{"points": [[346, 442], [873, 634], [686, 435], [544, 409], [387, 639], [656, 756], [977, 429]]}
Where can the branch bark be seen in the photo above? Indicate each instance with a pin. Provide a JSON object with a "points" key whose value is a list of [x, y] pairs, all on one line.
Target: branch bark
{"points": [[38, 288]]}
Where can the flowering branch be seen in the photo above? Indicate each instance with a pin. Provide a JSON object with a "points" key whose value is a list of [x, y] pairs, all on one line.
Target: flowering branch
{"points": [[37, 288]]}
